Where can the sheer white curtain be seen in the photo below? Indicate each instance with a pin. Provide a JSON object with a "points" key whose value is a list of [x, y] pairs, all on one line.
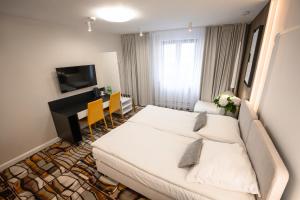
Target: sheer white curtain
{"points": [[176, 62]]}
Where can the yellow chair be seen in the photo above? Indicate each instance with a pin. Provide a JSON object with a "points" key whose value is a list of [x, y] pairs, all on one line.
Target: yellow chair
{"points": [[95, 114], [114, 105]]}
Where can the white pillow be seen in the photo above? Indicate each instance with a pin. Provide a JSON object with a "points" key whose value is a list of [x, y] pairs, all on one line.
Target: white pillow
{"points": [[211, 108], [221, 128], [225, 166]]}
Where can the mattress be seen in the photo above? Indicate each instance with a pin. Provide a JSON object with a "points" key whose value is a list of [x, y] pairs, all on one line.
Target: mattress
{"points": [[150, 157], [220, 128]]}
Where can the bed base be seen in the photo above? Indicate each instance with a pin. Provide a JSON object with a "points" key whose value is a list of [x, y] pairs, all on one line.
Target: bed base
{"points": [[125, 180]]}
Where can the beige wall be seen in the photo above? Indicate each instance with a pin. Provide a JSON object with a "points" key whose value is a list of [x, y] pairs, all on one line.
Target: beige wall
{"points": [[244, 91], [29, 52], [279, 108]]}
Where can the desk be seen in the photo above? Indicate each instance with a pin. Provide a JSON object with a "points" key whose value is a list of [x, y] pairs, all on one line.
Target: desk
{"points": [[64, 113]]}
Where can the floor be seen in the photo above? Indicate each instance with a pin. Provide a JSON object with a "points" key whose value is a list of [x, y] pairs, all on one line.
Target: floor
{"points": [[64, 171]]}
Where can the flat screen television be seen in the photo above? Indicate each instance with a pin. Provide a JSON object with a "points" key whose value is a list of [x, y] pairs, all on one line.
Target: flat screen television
{"points": [[76, 77]]}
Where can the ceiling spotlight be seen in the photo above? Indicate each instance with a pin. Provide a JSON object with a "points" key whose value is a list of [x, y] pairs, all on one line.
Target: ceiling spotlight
{"points": [[90, 22], [116, 14], [246, 13], [141, 33], [190, 27]]}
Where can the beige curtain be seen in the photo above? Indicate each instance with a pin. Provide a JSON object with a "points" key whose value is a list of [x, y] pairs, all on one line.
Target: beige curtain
{"points": [[135, 68], [222, 59]]}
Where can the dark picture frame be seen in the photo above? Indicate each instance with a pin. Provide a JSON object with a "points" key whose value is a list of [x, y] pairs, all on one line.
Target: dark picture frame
{"points": [[253, 55]]}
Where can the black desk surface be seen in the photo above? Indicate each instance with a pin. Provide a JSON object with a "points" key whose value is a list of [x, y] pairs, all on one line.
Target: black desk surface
{"points": [[74, 109], [72, 105]]}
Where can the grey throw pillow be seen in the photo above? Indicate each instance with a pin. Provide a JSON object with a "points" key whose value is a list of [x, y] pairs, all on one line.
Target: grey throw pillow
{"points": [[191, 155], [200, 121]]}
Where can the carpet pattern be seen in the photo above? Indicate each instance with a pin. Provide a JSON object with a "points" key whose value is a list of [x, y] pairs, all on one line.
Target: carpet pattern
{"points": [[64, 171]]}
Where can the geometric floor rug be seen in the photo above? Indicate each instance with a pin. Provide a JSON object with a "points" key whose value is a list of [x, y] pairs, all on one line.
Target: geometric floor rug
{"points": [[64, 171]]}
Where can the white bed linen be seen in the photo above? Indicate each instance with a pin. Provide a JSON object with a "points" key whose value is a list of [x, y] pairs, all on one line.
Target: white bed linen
{"points": [[220, 128], [224, 166], [150, 157]]}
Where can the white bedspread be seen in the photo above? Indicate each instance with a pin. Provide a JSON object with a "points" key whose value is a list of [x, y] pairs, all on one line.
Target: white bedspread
{"points": [[218, 127], [150, 157]]}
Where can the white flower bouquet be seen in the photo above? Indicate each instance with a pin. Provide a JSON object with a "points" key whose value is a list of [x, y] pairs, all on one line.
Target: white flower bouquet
{"points": [[228, 102]]}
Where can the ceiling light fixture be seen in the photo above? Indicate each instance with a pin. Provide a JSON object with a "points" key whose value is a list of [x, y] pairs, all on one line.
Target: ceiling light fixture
{"points": [[246, 13], [190, 27], [90, 22], [141, 33], [116, 14]]}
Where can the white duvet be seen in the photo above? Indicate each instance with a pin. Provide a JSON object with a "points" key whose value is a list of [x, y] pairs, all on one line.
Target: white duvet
{"points": [[220, 128], [150, 157]]}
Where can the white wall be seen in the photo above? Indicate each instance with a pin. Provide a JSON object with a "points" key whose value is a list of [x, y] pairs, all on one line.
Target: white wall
{"points": [[279, 108], [108, 63], [29, 52]]}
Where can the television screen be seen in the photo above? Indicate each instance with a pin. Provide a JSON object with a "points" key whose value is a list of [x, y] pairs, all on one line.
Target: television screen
{"points": [[73, 78]]}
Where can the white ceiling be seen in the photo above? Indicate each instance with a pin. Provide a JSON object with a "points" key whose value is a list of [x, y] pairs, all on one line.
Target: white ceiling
{"points": [[153, 14]]}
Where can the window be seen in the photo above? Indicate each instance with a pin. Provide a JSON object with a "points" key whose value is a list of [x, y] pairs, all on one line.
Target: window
{"points": [[176, 63]]}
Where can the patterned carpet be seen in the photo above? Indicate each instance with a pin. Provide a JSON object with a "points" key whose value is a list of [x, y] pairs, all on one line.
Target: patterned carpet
{"points": [[64, 171]]}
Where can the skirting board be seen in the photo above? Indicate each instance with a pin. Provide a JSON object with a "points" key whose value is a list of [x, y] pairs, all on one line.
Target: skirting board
{"points": [[27, 154]]}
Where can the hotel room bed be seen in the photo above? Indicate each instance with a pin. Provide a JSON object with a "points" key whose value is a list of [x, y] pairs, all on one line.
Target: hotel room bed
{"points": [[144, 152], [218, 127], [150, 157]]}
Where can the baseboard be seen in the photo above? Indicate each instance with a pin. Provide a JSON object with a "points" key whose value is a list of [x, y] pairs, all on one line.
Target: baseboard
{"points": [[27, 154]]}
